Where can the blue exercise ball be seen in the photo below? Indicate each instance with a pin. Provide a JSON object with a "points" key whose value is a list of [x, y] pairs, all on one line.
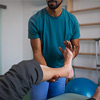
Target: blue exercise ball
{"points": [[82, 86]]}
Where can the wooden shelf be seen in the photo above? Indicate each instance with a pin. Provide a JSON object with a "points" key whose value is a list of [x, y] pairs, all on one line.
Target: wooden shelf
{"points": [[89, 24], [88, 9], [69, 5], [86, 68], [81, 53], [3, 6], [96, 39]]}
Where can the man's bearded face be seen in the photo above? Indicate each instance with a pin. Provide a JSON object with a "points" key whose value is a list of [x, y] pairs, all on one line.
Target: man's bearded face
{"points": [[53, 4]]}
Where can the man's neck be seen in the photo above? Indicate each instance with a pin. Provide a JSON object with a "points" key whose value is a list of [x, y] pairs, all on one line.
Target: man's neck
{"points": [[54, 12]]}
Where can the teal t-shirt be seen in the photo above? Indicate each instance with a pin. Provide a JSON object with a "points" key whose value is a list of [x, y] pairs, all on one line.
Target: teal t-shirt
{"points": [[53, 31]]}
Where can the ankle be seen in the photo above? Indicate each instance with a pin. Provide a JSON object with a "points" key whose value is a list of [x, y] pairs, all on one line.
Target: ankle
{"points": [[68, 62]]}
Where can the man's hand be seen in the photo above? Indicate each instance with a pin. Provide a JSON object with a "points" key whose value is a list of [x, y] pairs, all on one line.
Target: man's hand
{"points": [[72, 48], [54, 78]]}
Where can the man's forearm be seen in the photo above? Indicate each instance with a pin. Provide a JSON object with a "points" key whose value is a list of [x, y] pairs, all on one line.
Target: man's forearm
{"points": [[76, 51], [40, 59]]}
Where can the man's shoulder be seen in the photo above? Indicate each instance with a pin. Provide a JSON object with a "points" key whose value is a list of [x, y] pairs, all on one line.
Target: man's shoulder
{"points": [[38, 15], [70, 16], [66, 12]]}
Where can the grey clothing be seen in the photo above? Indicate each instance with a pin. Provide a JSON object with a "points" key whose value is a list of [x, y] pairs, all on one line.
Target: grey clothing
{"points": [[19, 79]]}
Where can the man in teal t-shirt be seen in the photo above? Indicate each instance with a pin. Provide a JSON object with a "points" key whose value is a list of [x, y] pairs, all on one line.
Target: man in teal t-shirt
{"points": [[48, 29]]}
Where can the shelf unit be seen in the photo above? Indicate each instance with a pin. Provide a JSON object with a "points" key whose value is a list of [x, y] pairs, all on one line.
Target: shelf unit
{"points": [[82, 53], [94, 54], [96, 39], [89, 24], [86, 68], [70, 9], [87, 39], [82, 10]]}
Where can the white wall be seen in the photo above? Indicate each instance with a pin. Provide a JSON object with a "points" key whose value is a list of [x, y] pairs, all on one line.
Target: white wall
{"points": [[87, 32], [12, 33], [29, 8], [0, 40], [15, 43]]}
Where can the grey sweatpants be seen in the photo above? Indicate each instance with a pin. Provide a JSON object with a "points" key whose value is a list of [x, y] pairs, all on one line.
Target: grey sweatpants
{"points": [[19, 79]]}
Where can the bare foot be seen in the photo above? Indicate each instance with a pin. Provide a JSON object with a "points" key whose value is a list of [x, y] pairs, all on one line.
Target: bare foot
{"points": [[67, 55], [68, 67], [67, 62], [71, 74], [97, 94]]}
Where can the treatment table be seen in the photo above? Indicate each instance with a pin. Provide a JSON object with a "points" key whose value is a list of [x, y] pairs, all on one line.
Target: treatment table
{"points": [[69, 96]]}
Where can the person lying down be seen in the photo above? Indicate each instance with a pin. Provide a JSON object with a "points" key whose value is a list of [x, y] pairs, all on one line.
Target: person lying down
{"points": [[19, 79]]}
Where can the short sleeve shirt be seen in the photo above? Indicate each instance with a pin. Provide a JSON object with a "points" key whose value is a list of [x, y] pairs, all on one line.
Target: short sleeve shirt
{"points": [[53, 31]]}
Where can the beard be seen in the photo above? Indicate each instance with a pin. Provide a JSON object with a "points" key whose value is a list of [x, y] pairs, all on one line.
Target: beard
{"points": [[51, 6]]}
